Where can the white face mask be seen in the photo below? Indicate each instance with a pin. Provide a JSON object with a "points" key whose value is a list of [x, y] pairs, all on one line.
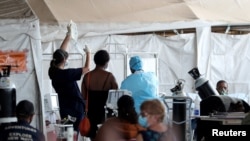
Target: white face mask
{"points": [[223, 92], [66, 64]]}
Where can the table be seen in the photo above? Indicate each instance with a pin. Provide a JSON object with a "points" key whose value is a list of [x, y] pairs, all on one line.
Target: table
{"points": [[217, 121], [224, 120]]}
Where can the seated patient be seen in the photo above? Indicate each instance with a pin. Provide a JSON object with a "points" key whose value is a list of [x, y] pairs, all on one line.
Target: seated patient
{"points": [[153, 112], [222, 87], [22, 130], [123, 127]]}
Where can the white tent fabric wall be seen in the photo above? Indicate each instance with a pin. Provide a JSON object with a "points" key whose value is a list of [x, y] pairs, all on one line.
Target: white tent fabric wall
{"points": [[25, 35], [230, 61], [223, 56], [179, 54], [172, 52]]}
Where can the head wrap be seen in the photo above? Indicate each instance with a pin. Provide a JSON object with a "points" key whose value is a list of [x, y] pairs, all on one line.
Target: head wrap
{"points": [[135, 63]]}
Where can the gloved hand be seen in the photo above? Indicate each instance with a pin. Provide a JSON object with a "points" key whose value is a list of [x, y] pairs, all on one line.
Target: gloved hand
{"points": [[69, 29], [86, 49]]}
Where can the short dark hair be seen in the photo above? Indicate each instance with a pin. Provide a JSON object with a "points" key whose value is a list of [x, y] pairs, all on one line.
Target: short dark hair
{"points": [[101, 57], [24, 109], [220, 81]]}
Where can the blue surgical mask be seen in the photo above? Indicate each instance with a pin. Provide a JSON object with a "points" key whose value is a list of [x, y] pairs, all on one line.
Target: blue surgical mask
{"points": [[143, 121]]}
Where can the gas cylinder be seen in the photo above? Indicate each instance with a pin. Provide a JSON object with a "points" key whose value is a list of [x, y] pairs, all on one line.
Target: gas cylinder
{"points": [[202, 85], [179, 109], [7, 94]]}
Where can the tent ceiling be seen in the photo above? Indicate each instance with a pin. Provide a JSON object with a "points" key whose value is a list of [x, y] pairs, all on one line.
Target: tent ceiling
{"points": [[116, 11], [142, 15], [14, 9], [229, 11]]}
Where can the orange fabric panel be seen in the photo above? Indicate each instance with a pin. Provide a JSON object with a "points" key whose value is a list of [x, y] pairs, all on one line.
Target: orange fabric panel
{"points": [[16, 59]]}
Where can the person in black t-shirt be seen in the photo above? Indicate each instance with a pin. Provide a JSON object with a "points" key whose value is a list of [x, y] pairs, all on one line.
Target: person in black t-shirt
{"points": [[22, 130], [64, 81]]}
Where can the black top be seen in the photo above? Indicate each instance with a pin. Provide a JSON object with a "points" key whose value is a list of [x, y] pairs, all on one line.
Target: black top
{"points": [[70, 98], [20, 131], [96, 110]]}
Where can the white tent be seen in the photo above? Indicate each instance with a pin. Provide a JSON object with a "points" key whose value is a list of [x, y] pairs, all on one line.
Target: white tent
{"points": [[20, 32], [40, 26], [98, 17]]}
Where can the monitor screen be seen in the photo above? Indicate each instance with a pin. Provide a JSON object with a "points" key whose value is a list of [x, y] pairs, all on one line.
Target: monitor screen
{"points": [[51, 102], [113, 97], [54, 102]]}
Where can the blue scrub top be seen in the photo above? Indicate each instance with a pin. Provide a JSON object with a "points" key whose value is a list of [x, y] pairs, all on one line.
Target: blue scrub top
{"points": [[143, 85]]}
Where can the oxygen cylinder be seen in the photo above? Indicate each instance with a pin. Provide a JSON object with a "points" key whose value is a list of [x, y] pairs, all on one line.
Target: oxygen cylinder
{"points": [[7, 94], [179, 109], [201, 84], [204, 88]]}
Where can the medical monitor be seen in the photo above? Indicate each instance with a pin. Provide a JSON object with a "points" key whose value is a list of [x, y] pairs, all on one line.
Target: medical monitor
{"points": [[51, 102], [113, 97]]}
